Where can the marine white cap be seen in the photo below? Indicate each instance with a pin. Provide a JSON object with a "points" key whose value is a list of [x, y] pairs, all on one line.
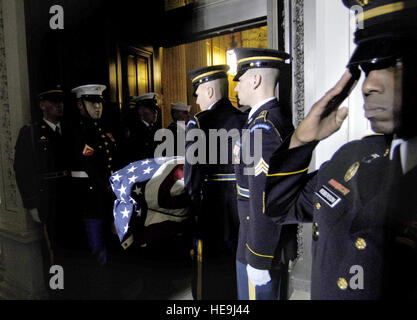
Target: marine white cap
{"points": [[89, 90], [147, 96], [180, 107]]}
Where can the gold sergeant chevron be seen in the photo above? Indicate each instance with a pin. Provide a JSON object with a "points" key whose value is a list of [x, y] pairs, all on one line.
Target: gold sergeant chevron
{"points": [[261, 167]]}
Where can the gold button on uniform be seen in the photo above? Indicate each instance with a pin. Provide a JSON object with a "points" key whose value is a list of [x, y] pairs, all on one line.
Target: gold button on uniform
{"points": [[248, 218], [318, 206], [316, 232], [360, 244], [91, 188], [342, 284]]}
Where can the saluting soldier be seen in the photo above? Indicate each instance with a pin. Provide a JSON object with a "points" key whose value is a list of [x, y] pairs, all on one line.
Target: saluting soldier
{"points": [[94, 161], [140, 128], [264, 248], [212, 184], [180, 114], [363, 201], [42, 170]]}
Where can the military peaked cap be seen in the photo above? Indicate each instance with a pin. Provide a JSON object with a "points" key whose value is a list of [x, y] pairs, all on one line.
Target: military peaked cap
{"points": [[386, 29], [250, 58], [206, 74], [52, 93]]}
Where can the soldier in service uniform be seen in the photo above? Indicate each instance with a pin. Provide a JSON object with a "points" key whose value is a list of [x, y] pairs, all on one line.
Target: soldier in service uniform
{"points": [[212, 187], [140, 129], [94, 161], [42, 171], [180, 113], [363, 201], [264, 249]]}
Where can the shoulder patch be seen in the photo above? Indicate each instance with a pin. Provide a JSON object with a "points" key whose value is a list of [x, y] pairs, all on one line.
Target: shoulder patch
{"points": [[264, 126], [192, 123]]}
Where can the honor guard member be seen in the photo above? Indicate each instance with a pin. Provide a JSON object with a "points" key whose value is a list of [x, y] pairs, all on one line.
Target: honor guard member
{"points": [[95, 160], [211, 184], [363, 201], [264, 248], [42, 171], [140, 129], [180, 114]]}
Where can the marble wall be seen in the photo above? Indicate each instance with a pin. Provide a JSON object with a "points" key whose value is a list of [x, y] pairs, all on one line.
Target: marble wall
{"points": [[20, 258]]}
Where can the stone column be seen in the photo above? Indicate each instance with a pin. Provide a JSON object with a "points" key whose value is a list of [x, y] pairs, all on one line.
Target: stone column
{"points": [[21, 274]]}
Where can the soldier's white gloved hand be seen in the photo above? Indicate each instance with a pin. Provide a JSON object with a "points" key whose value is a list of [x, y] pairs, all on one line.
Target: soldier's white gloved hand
{"points": [[258, 277], [35, 215]]}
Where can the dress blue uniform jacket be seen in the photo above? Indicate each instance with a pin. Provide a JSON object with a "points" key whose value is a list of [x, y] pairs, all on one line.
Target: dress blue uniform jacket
{"points": [[364, 214], [219, 194], [259, 237], [94, 152]]}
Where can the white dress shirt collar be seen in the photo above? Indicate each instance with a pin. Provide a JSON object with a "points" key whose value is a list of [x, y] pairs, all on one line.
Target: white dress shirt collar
{"points": [[52, 125], [212, 105], [259, 105], [408, 153]]}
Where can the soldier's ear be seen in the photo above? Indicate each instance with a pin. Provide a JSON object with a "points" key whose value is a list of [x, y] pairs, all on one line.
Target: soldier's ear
{"points": [[42, 105], [209, 91], [257, 80], [79, 105]]}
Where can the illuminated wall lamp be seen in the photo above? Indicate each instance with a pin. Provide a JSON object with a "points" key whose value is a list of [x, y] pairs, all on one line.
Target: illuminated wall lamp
{"points": [[232, 62]]}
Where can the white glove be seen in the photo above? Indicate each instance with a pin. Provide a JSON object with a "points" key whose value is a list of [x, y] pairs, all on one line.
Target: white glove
{"points": [[35, 215], [258, 277]]}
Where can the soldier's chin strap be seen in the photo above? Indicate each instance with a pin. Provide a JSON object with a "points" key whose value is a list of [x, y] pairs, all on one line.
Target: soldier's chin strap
{"points": [[85, 108]]}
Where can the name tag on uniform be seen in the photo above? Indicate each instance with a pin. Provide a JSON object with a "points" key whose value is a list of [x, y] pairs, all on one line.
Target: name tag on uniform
{"points": [[329, 197]]}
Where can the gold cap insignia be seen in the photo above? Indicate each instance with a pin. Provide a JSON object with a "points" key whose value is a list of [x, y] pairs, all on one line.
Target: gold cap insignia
{"points": [[363, 3], [353, 170]]}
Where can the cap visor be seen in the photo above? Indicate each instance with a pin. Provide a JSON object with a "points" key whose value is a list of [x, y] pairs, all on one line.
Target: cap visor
{"points": [[376, 50]]}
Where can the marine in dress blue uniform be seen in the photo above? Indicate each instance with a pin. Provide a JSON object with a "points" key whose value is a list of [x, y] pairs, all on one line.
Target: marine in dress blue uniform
{"points": [[262, 244], [212, 189], [94, 160], [362, 202]]}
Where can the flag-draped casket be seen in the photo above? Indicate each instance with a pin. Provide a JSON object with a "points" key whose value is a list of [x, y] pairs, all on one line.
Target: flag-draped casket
{"points": [[151, 200]]}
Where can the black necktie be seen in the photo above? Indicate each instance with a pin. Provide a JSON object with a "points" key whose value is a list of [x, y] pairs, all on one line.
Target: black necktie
{"points": [[57, 130], [396, 161]]}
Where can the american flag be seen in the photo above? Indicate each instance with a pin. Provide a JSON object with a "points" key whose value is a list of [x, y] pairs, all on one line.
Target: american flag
{"points": [[152, 188]]}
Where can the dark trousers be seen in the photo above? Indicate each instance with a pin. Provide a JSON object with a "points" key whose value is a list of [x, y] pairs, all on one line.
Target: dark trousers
{"points": [[218, 276], [276, 289]]}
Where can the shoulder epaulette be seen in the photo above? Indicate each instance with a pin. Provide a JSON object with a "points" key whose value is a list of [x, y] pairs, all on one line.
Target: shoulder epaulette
{"points": [[372, 135], [262, 122]]}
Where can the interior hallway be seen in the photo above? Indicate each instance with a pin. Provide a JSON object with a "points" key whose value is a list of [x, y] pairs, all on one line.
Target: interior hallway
{"points": [[158, 272]]}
